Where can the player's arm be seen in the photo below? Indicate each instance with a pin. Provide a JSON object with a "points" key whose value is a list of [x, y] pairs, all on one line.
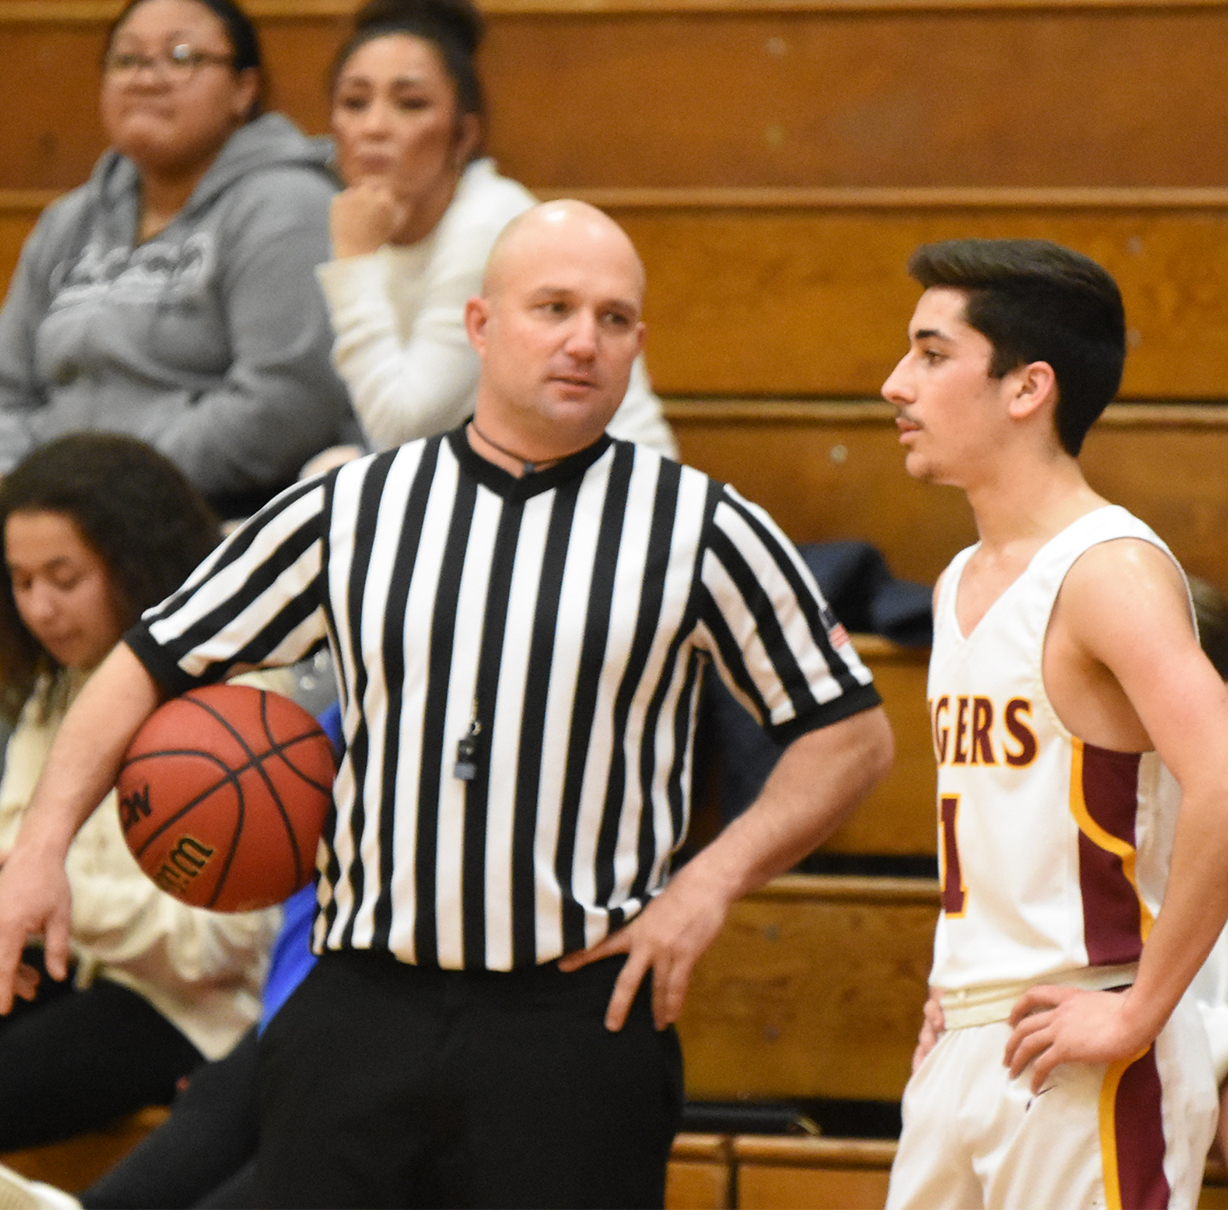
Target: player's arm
{"points": [[80, 770], [1124, 604], [819, 779]]}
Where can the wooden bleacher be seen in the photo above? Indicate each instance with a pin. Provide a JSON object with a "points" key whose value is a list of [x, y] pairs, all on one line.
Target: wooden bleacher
{"points": [[805, 295], [76, 1163], [682, 93], [835, 470], [813, 990]]}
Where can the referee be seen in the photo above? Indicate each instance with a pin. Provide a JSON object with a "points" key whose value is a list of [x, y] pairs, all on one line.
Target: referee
{"points": [[520, 612]]}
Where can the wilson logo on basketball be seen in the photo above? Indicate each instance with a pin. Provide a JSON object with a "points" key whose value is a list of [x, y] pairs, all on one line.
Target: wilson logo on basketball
{"points": [[182, 865], [134, 807]]}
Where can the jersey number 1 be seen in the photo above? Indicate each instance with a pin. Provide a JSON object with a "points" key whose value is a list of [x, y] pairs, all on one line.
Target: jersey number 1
{"points": [[954, 893]]}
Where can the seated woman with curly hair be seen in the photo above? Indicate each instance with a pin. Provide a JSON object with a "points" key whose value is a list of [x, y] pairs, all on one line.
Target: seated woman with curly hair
{"points": [[97, 528]]}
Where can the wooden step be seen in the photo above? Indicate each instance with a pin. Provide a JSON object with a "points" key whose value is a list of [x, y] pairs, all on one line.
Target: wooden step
{"points": [[700, 1174], [813, 989], [739, 92], [800, 1174], [828, 471], [898, 816], [804, 293], [76, 1163]]}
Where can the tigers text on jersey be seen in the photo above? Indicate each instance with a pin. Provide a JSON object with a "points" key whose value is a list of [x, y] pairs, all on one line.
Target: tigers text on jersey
{"points": [[519, 663], [1053, 853]]}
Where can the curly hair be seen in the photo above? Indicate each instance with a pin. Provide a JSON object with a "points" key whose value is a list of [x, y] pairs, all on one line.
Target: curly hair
{"points": [[131, 505]]}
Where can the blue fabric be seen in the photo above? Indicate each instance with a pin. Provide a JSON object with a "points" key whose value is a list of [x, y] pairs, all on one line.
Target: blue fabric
{"points": [[291, 956]]}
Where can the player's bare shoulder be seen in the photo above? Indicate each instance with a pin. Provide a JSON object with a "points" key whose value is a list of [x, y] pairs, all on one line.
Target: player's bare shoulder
{"points": [[1116, 588], [1122, 617]]}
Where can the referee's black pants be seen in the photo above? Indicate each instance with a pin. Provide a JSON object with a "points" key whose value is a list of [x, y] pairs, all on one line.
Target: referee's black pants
{"points": [[384, 1084]]}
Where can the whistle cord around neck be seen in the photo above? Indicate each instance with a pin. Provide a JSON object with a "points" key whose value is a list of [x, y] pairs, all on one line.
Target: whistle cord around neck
{"points": [[530, 467]]}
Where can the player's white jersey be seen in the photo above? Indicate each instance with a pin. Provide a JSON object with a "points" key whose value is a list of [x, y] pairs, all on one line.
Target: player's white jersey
{"points": [[1053, 853]]}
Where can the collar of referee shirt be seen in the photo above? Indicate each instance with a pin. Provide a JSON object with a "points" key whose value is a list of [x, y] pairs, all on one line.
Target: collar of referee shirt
{"points": [[528, 466], [504, 483]]}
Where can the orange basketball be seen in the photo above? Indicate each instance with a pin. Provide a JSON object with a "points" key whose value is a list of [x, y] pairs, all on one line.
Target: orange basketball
{"points": [[223, 795]]}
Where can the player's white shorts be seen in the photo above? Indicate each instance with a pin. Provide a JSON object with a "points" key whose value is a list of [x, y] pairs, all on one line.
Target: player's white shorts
{"points": [[1129, 1135]]}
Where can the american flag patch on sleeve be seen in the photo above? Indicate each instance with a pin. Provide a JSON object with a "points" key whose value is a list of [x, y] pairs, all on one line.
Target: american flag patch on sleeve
{"points": [[835, 629]]}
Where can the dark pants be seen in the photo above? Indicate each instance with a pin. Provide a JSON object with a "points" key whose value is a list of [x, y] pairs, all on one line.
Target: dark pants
{"points": [[199, 1153], [384, 1084], [73, 1061]]}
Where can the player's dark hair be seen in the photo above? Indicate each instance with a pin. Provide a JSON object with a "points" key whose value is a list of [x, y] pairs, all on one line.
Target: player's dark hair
{"points": [[1034, 300], [240, 33], [453, 27], [131, 505]]}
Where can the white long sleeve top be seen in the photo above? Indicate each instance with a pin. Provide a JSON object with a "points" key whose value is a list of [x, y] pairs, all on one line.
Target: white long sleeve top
{"points": [[201, 970], [398, 315]]}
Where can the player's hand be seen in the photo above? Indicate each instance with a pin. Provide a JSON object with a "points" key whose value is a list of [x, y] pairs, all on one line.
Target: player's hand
{"points": [[1064, 1025], [932, 1025], [667, 937], [34, 902], [364, 217]]}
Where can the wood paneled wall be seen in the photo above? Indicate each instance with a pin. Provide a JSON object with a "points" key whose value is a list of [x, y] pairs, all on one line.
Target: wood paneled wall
{"points": [[734, 92], [837, 471], [808, 294], [814, 988], [805, 293]]}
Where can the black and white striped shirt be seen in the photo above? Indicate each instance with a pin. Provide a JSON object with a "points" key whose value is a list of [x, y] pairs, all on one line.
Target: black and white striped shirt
{"points": [[561, 620]]}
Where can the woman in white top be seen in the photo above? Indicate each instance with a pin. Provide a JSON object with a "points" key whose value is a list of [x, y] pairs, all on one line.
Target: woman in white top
{"points": [[412, 230], [96, 528]]}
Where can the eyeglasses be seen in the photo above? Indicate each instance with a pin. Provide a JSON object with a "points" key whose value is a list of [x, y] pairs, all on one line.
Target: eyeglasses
{"points": [[177, 65]]}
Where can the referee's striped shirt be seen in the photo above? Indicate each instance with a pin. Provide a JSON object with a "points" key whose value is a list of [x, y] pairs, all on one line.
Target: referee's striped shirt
{"points": [[561, 622]]}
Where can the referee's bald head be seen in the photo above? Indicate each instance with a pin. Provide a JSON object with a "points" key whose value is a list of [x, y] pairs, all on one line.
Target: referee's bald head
{"points": [[566, 222]]}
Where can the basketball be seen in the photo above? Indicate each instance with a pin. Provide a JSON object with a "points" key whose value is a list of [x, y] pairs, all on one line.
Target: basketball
{"points": [[223, 795]]}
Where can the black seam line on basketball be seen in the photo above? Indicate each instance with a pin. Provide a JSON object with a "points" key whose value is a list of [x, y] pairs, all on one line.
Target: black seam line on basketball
{"points": [[281, 810], [281, 747], [228, 775], [238, 736], [277, 750], [259, 766], [228, 860]]}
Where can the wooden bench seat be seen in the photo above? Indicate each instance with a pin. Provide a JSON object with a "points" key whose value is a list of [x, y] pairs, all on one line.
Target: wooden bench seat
{"points": [[800, 1174], [745, 92], [804, 293], [813, 989], [898, 816], [827, 471], [78, 1162], [700, 1174]]}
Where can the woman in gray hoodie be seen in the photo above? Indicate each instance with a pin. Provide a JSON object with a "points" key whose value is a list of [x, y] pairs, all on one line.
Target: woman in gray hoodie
{"points": [[172, 296]]}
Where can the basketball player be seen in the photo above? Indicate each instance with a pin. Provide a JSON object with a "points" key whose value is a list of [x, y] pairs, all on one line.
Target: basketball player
{"points": [[1073, 713]]}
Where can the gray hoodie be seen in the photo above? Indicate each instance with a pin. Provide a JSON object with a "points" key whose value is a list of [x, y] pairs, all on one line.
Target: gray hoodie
{"points": [[210, 340]]}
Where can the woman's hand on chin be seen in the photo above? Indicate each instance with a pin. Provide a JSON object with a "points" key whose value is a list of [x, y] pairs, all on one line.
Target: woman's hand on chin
{"points": [[364, 217]]}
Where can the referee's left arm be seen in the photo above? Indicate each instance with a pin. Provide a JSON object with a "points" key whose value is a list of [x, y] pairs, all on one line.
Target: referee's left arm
{"points": [[819, 779], [772, 638]]}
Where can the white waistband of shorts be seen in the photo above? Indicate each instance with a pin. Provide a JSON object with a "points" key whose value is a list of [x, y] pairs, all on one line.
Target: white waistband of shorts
{"points": [[993, 1002]]}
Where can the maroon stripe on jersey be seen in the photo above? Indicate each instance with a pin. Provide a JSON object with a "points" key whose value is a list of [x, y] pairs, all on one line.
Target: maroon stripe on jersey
{"points": [[1139, 1126], [1112, 924]]}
